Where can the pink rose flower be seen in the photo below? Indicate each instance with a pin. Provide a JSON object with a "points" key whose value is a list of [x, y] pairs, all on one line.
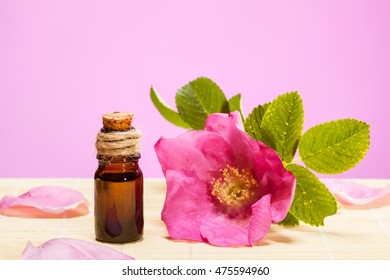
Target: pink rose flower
{"points": [[223, 187]]}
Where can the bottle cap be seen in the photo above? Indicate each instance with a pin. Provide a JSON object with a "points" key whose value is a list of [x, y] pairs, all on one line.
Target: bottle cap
{"points": [[117, 121]]}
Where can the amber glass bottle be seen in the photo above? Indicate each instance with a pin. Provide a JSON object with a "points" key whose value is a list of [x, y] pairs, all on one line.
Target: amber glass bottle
{"points": [[119, 200], [118, 181]]}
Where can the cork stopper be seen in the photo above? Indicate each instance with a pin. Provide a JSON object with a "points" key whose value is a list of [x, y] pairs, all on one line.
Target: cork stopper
{"points": [[117, 121]]}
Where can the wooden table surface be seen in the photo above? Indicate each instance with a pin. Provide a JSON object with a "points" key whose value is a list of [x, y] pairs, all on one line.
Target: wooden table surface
{"points": [[353, 233]]}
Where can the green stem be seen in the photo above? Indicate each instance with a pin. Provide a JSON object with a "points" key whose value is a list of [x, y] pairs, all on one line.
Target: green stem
{"points": [[285, 164]]}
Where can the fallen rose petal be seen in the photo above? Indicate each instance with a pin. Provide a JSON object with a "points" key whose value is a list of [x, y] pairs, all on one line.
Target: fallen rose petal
{"points": [[45, 202], [348, 192], [71, 249]]}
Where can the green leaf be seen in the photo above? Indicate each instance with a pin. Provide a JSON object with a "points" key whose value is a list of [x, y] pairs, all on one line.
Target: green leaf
{"points": [[169, 114], [282, 125], [312, 200], [235, 105], [253, 122], [336, 146], [198, 99], [289, 221]]}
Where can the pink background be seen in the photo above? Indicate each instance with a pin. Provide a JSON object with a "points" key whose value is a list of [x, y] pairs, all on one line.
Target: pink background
{"points": [[65, 63]]}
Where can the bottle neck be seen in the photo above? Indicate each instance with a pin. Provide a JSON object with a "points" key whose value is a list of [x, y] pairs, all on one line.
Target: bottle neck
{"points": [[116, 162]]}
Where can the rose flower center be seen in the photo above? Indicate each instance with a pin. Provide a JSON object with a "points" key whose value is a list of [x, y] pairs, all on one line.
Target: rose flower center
{"points": [[235, 188]]}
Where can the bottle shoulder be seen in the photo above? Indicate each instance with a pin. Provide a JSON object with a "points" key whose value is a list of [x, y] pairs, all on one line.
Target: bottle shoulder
{"points": [[106, 174]]}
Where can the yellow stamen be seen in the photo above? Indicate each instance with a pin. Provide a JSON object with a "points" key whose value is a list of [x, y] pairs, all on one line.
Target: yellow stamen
{"points": [[235, 187]]}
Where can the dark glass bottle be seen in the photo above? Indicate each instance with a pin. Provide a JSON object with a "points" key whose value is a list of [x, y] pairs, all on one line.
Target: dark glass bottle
{"points": [[118, 200]]}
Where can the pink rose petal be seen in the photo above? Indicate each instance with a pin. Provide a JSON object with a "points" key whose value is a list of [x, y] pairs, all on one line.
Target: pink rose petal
{"points": [[45, 202], [354, 193], [242, 147], [71, 249], [203, 151], [184, 224], [220, 230], [260, 221], [279, 183]]}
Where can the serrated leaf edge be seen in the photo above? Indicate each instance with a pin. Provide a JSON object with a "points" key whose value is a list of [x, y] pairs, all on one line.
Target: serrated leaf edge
{"points": [[199, 100], [297, 100], [297, 186]]}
